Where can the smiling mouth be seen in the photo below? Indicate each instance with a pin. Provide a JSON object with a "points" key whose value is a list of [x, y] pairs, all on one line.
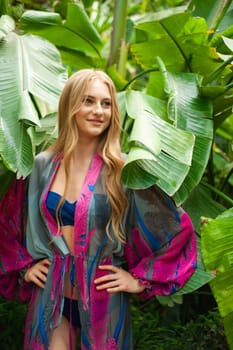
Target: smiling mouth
{"points": [[95, 121]]}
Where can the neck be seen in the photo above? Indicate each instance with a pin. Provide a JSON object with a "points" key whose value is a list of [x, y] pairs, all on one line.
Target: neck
{"points": [[85, 150]]}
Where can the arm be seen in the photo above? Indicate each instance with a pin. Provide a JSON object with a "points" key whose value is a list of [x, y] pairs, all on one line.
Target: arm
{"points": [[13, 254], [161, 244], [160, 248]]}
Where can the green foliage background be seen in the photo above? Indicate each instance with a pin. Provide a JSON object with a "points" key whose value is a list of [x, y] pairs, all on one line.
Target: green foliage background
{"points": [[171, 62], [155, 327]]}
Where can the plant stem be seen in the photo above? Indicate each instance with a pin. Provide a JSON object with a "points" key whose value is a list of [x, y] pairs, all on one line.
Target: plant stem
{"points": [[218, 192], [221, 8], [118, 32], [138, 76], [226, 179], [213, 75]]}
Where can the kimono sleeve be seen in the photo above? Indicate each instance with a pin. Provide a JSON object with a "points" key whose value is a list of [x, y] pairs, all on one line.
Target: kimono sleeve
{"points": [[161, 242], [13, 254]]}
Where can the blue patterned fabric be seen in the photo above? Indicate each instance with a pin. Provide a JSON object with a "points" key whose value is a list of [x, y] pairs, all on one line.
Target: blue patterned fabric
{"points": [[65, 213]]}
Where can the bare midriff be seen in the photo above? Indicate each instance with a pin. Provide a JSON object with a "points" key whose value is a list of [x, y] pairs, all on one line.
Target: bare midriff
{"points": [[68, 234]]}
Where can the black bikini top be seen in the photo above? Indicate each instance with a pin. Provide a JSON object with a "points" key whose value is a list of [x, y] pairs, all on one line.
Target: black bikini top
{"points": [[65, 213]]}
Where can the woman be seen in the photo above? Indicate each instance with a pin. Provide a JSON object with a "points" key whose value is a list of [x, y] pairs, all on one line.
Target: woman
{"points": [[90, 242]]}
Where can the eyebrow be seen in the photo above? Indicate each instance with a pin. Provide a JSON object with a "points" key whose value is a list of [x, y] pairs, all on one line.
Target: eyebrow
{"points": [[104, 98]]}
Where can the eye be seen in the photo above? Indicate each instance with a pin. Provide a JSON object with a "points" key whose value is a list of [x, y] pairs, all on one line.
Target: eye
{"points": [[106, 104], [87, 100]]}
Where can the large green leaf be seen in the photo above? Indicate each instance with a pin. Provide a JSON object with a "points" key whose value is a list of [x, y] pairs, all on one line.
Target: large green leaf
{"points": [[162, 146], [226, 129], [213, 11], [83, 25], [217, 249], [46, 134], [76, 21], [218, 15], [200, 202], [26, 110], [182, 126], [77, 38], [150, 36], [16, 146], [6, 178], [80, 60], [31, 70], [193, 113], [183, 36], [223, 101], [7, 24], [188, 38]]}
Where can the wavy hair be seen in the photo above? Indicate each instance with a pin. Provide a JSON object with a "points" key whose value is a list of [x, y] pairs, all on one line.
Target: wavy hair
{"points": [[109, 149]]}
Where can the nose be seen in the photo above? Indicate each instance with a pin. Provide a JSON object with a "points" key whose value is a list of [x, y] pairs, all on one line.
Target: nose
{"points": [[98, 108]]}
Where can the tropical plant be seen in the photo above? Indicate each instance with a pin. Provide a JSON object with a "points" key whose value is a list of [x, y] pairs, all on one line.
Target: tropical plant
{"points": [[218, 257], [190, 115], [172, 66], [32, 77]]}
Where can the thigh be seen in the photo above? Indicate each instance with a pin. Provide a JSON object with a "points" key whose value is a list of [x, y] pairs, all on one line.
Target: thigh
{"points": [[60, 339]]}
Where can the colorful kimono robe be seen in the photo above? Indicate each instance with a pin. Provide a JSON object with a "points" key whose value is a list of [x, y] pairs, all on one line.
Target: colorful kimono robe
{"points": [[160, 251]]}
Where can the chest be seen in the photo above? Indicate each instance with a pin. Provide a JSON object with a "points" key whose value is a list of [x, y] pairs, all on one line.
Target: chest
{"points": [[69, 184]]}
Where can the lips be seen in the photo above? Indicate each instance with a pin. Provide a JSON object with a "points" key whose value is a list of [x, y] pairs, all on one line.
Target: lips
{"points": [[95, 121]]}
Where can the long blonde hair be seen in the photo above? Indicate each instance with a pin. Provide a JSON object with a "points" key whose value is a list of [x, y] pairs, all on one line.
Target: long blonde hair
{"points": [[70, 102]]}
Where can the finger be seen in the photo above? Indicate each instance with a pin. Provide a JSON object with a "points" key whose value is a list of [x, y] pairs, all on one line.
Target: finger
{"points": [[44, 270], [34, 275], [114, 289], [41, 276], [109, 268], [102, 279], [38, 282], [111, 284]]}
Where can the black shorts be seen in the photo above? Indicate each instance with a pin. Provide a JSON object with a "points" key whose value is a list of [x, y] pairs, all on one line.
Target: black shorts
{"points": [[71, 304]]}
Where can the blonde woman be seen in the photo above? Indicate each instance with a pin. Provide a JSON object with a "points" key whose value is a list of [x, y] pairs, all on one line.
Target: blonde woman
{"points": [[90, 242]]}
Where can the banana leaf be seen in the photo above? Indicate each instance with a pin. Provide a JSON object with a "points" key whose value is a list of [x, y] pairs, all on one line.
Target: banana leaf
{"points": [[181, 42], [76, 37], [7, 24], [31, 70], [175, 134], [204, 205], [162, 146], [217, 250], [191, 112]]}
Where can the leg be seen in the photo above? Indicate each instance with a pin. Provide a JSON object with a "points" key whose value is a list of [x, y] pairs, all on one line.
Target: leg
{"points": [[60, 336]]}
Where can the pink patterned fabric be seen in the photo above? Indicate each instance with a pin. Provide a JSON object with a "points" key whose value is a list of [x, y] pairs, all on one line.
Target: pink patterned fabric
{"points": [[160, 251], [170, 270], [13, 254]]}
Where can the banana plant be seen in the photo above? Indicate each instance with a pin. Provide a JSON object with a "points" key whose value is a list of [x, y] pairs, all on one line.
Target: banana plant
{"points": [[182, 127], [78, 41], [192, 113], [181, 147], [217, 248], [32, 76]]}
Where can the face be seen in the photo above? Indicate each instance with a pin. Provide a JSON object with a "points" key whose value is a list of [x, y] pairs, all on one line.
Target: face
{"points": [[94, 115]]}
